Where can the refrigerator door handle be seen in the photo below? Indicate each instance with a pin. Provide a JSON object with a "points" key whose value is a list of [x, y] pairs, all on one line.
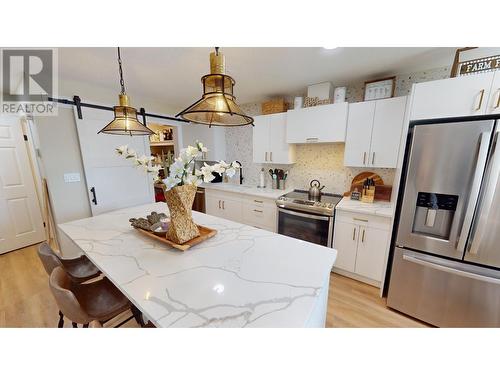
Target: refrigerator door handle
{"points": [[455, 271], [487, 199], [475, 189]]}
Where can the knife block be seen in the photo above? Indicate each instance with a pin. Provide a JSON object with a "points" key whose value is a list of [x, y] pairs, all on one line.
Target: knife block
{"points": [[368, 195]]}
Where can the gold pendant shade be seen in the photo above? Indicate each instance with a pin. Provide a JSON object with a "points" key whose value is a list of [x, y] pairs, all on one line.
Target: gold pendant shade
{"points": [[217, 106], [125, 121]]}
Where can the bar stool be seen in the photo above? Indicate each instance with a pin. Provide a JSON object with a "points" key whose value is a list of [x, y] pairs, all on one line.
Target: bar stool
{"points": [[80, 269], [97, 301]]}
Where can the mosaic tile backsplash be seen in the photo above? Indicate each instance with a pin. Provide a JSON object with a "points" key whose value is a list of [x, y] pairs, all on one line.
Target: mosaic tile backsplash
{"points": [[324, 162]]}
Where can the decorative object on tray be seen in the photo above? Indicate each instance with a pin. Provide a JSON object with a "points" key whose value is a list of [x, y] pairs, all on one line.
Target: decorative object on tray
{"points": [[339, 94], [205, 234], [380, 88], [382, 192], [274, 106], [180, 186], [156, 226]]}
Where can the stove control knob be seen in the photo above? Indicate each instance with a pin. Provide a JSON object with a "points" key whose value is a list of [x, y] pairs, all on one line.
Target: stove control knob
{"points": [[324, 204]]}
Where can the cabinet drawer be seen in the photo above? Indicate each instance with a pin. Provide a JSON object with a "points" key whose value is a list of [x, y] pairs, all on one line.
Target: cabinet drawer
{"points": [[259, 215], [371, 221]]}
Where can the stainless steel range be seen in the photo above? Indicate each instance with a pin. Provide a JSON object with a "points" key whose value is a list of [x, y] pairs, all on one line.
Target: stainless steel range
{"points": [[307, 219]]}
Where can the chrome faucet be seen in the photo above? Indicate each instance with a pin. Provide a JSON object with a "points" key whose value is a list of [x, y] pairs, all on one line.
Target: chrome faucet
{"points": [[241, 172]]}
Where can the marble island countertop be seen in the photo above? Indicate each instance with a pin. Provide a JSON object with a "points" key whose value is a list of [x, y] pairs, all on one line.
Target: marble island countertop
{"points": [[242, 277], [248, 190], [377, 208]]}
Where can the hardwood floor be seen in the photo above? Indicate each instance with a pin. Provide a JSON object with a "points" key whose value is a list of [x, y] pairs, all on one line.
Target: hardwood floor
{"points": [[26, 300]]}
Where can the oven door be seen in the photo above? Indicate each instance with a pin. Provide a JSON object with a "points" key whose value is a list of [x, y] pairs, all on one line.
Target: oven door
{"points": [[308, 227]]}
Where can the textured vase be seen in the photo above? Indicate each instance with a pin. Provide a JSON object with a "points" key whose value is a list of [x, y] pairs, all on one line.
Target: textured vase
{"points": [[180, 201]]}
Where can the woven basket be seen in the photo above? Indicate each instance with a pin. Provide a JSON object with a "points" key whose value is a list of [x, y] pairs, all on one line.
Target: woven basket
{"points": [[274, 106]]}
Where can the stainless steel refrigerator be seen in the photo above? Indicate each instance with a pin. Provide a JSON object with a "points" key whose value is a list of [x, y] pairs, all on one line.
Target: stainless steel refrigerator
{"points": [[446, 260]]}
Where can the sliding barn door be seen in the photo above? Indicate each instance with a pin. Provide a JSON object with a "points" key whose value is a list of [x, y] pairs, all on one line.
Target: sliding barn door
{"points": [[21, 222], [112, 181]]}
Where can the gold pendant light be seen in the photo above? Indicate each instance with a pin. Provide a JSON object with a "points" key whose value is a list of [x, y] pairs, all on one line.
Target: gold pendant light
{"points": [[217, 106], [125, 121]]}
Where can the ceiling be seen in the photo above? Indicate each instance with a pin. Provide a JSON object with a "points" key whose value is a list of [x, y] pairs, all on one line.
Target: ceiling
{"points": [[172, 75]]}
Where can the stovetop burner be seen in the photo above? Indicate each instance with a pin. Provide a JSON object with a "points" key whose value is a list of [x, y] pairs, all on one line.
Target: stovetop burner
{"points": [[299, 200]]}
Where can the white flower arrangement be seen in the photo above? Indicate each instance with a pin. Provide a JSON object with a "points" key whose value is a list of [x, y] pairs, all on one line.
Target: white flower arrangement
{"points": [[182, 171]]}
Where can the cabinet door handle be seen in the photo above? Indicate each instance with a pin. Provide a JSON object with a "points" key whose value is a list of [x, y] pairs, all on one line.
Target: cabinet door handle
{"points": [[223, 205], [266, 155], [373, 158], [480, 100], [271, 156], [260, 211], [363, 236], [256, 201], [313, 139], [358, 219], [364, 158], [354, 234], [219, 204], [498, 100]]}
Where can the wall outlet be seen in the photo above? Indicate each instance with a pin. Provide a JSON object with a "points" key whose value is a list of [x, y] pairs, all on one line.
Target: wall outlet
{"points": [[72, 177]]}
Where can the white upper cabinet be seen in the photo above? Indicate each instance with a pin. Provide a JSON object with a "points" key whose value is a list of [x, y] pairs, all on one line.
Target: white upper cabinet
{"points": [[494, 102], [269, 140], [386, 134], [374, 132], [460, 96], [320, 124], [213, 138], [359, 133]]}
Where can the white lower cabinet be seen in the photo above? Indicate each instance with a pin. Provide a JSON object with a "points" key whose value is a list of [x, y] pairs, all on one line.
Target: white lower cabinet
{"points": [[255, 211], [362, 243]]}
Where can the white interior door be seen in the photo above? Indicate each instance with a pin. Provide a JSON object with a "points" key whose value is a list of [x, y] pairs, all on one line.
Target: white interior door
{"points": [[21, 222], [112, 181]]}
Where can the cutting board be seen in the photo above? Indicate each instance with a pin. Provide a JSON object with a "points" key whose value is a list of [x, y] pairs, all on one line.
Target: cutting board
{"points": [[382, 192]]}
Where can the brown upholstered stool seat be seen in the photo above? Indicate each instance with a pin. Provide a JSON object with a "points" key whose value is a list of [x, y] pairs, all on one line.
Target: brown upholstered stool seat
{"points": [[80, 269], [83, 303]]}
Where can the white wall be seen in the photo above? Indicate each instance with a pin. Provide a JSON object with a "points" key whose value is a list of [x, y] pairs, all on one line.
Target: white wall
{"points": [[59, 151]]}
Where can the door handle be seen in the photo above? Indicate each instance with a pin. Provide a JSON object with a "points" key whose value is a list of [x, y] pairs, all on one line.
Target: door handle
{"points": [[354, 234], [266, 155], [364, 158], [94, 199], [486, 202], [373, 158], [363, 236], [219, 204], [474, 191], [444, 268], [271, 156], [223, 205], [498, 100], [260, 211], [481, 95]]}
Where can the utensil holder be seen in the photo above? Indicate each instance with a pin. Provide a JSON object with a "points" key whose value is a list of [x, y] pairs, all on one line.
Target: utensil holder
{"points": [[275, 184], [282, 184]]}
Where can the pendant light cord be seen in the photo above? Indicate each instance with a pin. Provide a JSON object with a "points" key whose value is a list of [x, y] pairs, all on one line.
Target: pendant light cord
{"points": [[122, 82]]}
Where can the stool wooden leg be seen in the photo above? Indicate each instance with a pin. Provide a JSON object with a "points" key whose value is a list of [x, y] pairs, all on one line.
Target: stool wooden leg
{"points": [[86, 325], [74, 325], [61, 320], [137, 315]]}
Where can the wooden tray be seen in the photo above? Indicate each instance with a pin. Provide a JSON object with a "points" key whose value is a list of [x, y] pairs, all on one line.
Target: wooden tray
{"points": [[205, 234]]}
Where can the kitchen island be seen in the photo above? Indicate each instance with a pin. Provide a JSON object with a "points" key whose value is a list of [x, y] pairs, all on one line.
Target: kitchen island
{"points": [[242, 277]]}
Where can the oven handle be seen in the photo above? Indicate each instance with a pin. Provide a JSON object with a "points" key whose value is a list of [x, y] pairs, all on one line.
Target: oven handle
{"points": [[295, 213]]}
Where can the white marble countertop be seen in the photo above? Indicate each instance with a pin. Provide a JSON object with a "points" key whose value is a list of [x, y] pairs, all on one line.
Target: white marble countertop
{"points": [[377, 208], [248, 190], [242, 277]]}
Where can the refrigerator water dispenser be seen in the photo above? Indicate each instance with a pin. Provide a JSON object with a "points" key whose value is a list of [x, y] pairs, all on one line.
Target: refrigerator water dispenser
{"points": [[434, 214]]}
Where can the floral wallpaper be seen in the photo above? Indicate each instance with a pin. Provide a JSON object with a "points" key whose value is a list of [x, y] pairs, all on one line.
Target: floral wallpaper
{"points": [[324, 162]]}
